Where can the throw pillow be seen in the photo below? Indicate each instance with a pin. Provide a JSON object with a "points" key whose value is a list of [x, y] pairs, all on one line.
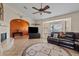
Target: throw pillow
{"points": [[55, 35]]}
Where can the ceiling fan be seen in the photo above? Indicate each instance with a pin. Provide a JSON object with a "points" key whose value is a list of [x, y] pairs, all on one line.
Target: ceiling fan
{"points": [[42, 10]]}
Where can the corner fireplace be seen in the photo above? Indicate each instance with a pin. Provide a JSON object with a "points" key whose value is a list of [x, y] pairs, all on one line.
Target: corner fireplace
{"points": [[3, 36]]}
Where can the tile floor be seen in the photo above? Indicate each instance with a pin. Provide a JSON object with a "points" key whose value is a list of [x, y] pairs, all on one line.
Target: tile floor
{"points": [[21, 43]]}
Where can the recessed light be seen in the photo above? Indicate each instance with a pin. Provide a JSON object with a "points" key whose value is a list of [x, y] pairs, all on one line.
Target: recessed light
{"points": [[25, 7]]}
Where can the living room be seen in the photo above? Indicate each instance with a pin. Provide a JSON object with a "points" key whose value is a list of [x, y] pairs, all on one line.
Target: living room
{"points": [[34, 29]]}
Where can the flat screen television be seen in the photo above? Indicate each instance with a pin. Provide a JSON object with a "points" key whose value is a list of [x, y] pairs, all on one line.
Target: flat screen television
{"points": [[33, 29]]}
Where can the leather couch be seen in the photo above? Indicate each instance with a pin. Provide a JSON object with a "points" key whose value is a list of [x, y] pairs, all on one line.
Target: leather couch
{"points": [[67, 41]]}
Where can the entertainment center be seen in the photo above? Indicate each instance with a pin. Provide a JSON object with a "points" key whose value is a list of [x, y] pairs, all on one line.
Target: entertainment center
{"points": [[34, 33]]}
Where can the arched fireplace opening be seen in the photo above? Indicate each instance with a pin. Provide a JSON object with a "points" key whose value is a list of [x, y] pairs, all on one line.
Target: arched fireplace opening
{"points": [[18, 27]]}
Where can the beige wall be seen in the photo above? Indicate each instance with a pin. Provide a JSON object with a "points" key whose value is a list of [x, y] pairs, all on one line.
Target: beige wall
{"points": [[71, 26], [9, 14], [74, 20]]}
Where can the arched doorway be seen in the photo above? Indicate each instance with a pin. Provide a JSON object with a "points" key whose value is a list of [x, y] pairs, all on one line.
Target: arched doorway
{"points": [[18, 27]]}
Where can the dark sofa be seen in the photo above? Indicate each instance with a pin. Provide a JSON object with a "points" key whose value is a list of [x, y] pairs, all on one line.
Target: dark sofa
{"points": [[67, 41]]}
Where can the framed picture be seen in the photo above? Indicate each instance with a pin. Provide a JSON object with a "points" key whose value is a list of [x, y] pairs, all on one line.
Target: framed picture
{"points": [[1, 11], [57, 27]]}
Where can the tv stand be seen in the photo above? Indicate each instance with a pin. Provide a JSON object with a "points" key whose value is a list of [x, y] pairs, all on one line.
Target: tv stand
{"points": [[34, 35]]}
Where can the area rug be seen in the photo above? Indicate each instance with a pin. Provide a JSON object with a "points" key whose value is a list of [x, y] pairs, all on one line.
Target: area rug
{"points": [[45, 49]]}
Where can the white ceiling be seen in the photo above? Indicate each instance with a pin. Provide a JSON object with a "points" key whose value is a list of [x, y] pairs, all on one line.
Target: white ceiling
{"points": [[56, 9]]}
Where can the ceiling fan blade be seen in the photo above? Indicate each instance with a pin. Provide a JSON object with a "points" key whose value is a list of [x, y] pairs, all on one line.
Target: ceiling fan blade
{"points": [[47, 12], [35, 12], [35, 8], [46, 7]]}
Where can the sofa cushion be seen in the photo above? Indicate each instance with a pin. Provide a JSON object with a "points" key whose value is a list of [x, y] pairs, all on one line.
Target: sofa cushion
{"points": [[52, 34], [55, 35], [76, 35], [70, 35]]}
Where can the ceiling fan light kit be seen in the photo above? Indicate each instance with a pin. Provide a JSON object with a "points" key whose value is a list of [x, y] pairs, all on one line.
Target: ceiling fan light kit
{"points": [[42, 10]]}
